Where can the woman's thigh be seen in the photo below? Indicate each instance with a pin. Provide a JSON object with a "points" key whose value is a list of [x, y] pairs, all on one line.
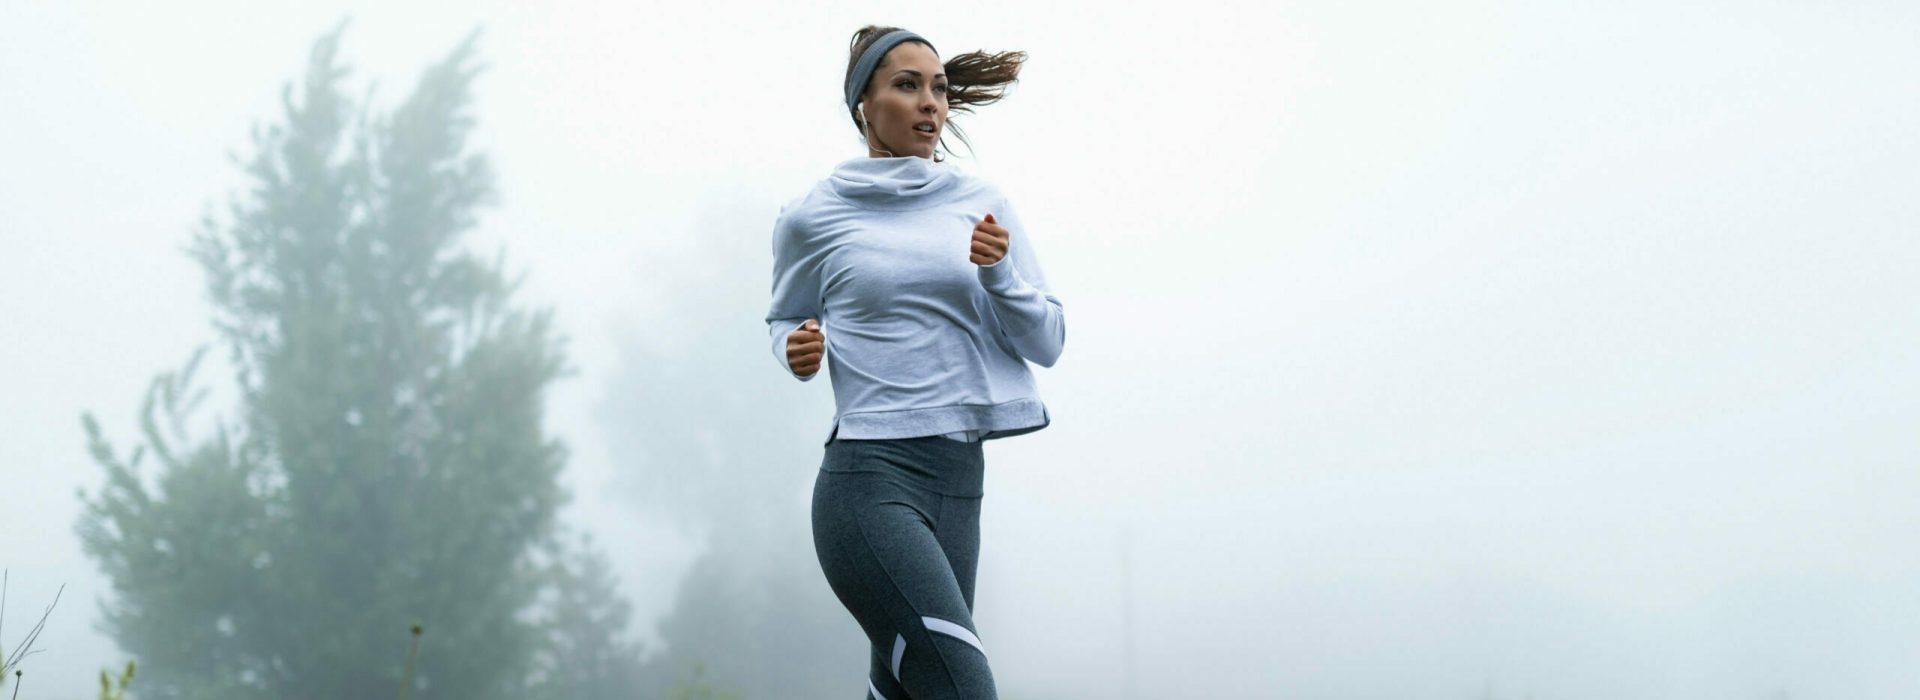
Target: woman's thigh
{"points": [[902, 560]]}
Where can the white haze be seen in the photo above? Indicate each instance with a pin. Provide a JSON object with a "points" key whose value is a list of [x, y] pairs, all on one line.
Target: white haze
{"points": [[1550, 350]]}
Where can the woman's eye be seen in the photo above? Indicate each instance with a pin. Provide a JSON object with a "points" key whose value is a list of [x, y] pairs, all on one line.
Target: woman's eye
{"points": [[907, 85], [940, 88]]}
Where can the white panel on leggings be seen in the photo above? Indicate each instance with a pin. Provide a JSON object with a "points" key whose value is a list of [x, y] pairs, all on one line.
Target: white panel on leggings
{"points": [[935, 624], [875, 691], [899, 649]]}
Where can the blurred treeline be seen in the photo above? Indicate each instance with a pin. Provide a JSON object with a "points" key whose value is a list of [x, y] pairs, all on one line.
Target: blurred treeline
{"points": [[386, 464]]}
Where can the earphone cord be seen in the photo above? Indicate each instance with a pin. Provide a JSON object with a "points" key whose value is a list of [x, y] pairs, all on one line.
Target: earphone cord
{"points": [[867, 131]]}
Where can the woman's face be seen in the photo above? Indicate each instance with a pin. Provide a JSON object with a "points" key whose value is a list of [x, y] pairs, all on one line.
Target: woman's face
{"points": [[906, 103]]}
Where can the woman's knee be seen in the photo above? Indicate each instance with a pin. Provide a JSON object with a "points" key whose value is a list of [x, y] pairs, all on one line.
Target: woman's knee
{"points": [[942, 659]]}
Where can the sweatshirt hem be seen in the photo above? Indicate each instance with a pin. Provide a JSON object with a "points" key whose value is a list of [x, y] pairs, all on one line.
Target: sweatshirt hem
{"points": [[1017, 417]]}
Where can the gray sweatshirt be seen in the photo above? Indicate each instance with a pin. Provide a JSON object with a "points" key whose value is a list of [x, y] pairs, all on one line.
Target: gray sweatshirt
{"points": [[920, 340]]}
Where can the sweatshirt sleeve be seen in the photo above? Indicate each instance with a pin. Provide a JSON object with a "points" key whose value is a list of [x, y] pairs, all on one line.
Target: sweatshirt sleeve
{"points": [[1029, 316], [796, 286]]}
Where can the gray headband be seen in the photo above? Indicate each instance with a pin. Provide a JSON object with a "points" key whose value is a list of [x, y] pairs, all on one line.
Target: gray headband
{"points": [[870, 59]]}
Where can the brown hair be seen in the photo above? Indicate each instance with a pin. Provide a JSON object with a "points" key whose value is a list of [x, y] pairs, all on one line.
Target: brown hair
{"points": [[974, 78]]}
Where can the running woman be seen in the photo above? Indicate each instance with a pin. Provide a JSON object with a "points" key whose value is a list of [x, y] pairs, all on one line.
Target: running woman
{"points": [[917, 286]]}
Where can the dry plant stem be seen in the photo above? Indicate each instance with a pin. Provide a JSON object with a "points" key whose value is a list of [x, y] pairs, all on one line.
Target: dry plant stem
{"points": [[25, 648]]}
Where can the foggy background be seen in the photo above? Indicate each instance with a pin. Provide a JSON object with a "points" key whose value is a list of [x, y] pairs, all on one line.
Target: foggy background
{"points": [[1508, 350]]}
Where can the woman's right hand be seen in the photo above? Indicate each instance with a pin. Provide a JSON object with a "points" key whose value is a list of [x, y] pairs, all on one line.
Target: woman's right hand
{"points": [[805, 346]]}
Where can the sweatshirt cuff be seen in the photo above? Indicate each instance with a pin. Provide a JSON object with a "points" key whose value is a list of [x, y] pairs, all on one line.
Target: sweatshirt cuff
{"points": [[999, 277]]}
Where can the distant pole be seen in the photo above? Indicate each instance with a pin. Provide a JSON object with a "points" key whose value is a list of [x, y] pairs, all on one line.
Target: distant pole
{"points": [[413, 652], [1126, 606]]}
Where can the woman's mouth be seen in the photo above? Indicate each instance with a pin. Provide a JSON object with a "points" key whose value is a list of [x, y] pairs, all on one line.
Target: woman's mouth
{"points": [[926, 129]]}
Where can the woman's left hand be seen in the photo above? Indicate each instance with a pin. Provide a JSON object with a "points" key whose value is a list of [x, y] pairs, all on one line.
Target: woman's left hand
{"points": [[989, 242]]}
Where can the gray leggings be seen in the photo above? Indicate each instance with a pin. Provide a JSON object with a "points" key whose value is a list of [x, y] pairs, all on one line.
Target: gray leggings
{"points": [[896, 524]]}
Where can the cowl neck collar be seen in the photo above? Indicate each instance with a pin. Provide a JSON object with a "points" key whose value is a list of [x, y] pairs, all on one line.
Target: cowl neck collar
{"points": [[895, 184]]}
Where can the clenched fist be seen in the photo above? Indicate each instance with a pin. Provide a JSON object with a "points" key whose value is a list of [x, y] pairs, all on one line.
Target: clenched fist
{"points": [[805, 346], [989, 242]]}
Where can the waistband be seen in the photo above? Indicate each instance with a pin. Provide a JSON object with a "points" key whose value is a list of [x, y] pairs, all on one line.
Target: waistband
{"points": [[934, 463]]}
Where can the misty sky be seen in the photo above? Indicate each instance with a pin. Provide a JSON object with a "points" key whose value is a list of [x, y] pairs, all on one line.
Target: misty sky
{"points": [[1563, 352]]}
